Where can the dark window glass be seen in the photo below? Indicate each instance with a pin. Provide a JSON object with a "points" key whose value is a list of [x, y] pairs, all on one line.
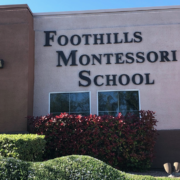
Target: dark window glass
{"points": [[108, 113], [72, 103], [128, 100], [79, 102], [113, 102], [108, 101], [59, 102]]}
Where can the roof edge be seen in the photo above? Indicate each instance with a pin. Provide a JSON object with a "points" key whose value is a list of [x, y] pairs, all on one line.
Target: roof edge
{"points": [[16, 6], [106, 10]]}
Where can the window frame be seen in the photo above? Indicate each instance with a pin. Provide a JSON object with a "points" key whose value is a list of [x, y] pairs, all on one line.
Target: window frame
{"points": [[69, 93], [118, 91]]}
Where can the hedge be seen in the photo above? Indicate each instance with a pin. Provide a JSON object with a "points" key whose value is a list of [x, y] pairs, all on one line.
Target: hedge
{"points": [[28, 147], [64, 168], [125, 143]]}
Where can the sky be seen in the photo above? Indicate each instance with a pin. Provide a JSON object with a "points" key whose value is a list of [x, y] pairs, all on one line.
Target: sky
{"points": [[38, 6]]}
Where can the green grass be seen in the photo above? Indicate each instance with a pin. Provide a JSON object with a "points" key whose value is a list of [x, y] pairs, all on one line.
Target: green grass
{"points": [[64, 168]]}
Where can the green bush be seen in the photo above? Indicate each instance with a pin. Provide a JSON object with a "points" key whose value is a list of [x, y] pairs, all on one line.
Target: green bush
{"points": [[64, 168], [28, 147], [13, 169]]}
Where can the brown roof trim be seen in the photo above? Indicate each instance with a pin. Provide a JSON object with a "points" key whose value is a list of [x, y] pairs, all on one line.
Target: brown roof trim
{"points": [[17, 6]]}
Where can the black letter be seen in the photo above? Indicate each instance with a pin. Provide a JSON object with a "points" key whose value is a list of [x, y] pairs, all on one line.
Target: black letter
{"points": [[147, 79], [164, 56], [118, 57], [137, 37], [81, 59], [155, 57], [95, 57], [84, 78], [130, 57], [140, 79], [126, 38], [65, 42], [65, 60], [140, 57], [127, 79], [95, 80], [100, 39], [108, 58], [174, 55], [48, 38], [108, 38], [108, 80], [116, 38], [86, 38], [78, 38]]}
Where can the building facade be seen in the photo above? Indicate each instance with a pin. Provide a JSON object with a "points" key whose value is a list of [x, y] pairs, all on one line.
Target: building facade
{"points": [[92, 62]]}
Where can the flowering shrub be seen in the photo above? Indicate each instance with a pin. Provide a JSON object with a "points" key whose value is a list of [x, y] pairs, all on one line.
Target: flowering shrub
{"points": [[125, 143]]}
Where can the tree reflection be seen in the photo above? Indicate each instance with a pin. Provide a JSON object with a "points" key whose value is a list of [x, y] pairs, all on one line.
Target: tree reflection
{"points": [[72, 103], [59, 102], [114, 102], [128, 100], [108, 101], [79, 102]]}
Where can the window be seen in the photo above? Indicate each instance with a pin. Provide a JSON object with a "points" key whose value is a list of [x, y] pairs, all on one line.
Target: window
{"points": [[113, 102], [71, 103]]}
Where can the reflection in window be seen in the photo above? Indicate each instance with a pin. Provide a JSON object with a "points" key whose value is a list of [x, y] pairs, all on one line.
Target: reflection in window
{"points": [[71, 103], [113, 102]]}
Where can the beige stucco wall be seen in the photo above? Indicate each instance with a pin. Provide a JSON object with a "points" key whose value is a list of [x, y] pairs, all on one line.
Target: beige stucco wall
{"points": [[160, 28]]}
